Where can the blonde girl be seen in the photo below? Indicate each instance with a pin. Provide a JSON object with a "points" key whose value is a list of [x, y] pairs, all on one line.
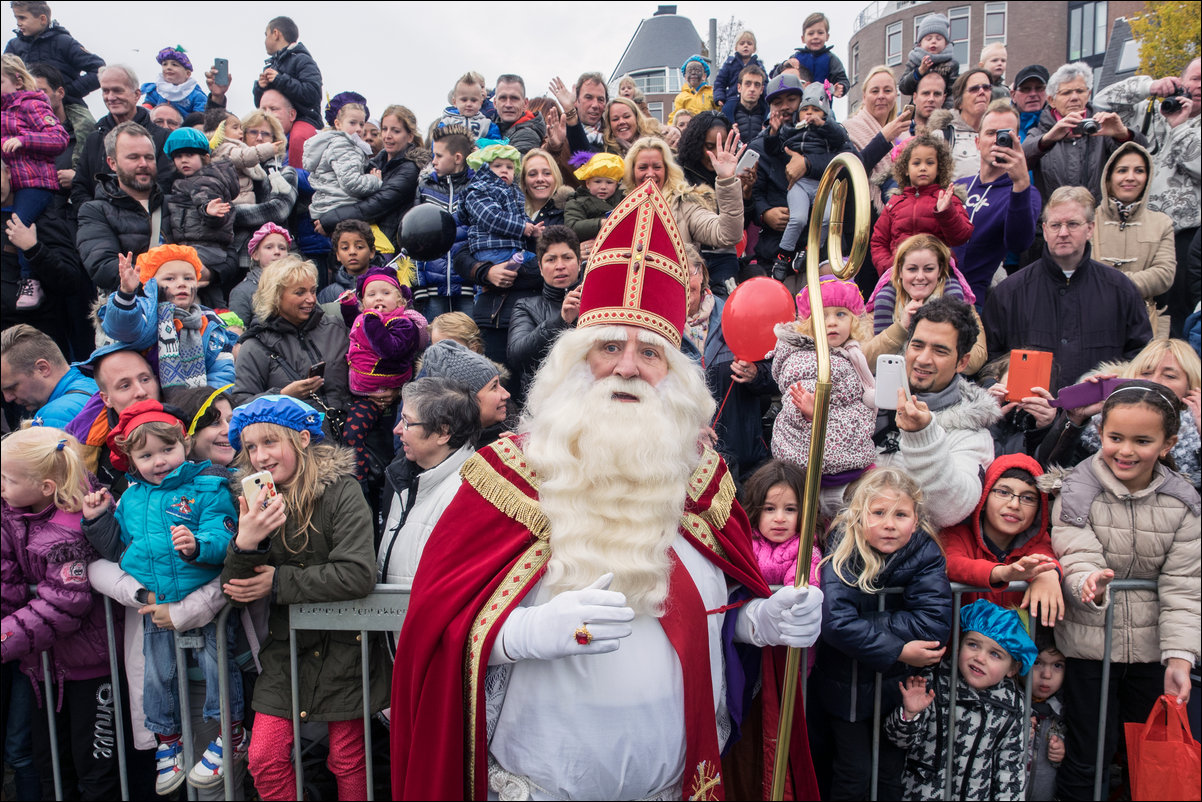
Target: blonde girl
{"points": [[882, 540], [311, 542], [43, 481]]}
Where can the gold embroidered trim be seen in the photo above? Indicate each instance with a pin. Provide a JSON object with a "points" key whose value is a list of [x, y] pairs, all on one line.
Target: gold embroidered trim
{"points": [[706, 782], [718, 511], [503, 597], [614, 315], [503, 494], [697, 526]]}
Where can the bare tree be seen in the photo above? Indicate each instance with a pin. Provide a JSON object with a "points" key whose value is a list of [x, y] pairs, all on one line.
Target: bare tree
{"points": [[728, 32]]}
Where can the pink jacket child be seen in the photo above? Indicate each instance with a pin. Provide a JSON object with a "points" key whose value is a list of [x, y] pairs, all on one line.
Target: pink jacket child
{"points": [[27, 116], [386, 337]]}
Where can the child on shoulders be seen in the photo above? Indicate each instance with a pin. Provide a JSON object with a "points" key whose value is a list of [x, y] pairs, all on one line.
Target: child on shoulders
{"points": [[439, 287], [466, 99], [933, 53], [496, 207], [817, 57], [200, 202], [988, 761], [727, 81], [176, 84], [249, 160], [696, 95]]}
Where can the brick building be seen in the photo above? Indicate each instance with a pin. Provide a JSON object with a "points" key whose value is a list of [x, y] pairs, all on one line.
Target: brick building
{"points": [[1050, 34]]}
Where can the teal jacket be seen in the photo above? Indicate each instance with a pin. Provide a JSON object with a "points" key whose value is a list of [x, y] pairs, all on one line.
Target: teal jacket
{"points": [[138, 533], [66, 400]]}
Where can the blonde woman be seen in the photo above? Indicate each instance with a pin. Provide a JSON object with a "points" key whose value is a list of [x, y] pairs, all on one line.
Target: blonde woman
{"points": [[623, 123], [705, 218]]}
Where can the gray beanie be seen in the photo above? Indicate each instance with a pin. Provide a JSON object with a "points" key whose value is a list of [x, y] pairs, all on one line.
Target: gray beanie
{"points": [[935, 23], [448, 359], [815, 95]]}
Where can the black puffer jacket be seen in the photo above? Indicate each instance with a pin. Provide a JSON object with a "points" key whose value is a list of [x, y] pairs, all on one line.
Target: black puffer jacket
{"points": [[295, 349], [396, 195], [858, 640], [535, 324], [212, 237], [57, 47], [111, 224], [299, 80], [93, 162]]}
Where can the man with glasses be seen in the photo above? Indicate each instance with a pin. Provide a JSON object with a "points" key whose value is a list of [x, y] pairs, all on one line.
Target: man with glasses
{"points": [[1070, 144], [1029, 95], [1083, 311]]}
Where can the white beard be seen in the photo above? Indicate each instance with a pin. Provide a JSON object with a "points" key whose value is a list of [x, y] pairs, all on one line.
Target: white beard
{"points": [[613, 475]]}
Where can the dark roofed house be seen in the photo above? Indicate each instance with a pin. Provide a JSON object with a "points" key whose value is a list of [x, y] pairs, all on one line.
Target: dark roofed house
{"points": [[653, 58]]}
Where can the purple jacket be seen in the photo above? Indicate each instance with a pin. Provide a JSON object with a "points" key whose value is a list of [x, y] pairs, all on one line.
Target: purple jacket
{"points": [[47, 549], [384, 348], [27, 115], [1002, 220]]}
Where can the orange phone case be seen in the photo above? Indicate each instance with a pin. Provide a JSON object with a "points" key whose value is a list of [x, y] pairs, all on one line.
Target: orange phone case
{"points": [[1028, 369]]}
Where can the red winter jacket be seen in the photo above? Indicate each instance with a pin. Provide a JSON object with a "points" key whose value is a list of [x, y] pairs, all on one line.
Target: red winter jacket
{"points": [[970, 561], [913, 212], [27, 115]]}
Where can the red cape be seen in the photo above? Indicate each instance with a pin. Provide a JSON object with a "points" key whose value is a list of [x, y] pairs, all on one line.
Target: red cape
{"points": [[487, 551]]}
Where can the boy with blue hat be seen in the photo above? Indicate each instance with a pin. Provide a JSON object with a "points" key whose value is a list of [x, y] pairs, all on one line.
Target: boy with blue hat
{"points": [[989, 761]]}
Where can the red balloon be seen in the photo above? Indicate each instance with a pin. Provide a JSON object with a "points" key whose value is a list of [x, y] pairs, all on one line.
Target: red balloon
{"points": [[751, 314]]}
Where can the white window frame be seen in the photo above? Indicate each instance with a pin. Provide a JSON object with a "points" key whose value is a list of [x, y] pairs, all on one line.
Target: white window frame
{"points": [[897, 58], [855, 63], [641, 81], [657, 111], [990, 10], [965, 13]]}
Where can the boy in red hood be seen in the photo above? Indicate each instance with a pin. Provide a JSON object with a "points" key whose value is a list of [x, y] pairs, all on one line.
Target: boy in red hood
{"points": [[1006, 539]]}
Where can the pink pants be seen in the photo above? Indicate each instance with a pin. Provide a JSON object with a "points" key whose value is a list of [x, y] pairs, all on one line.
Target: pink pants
{"points": [[271, 765]]}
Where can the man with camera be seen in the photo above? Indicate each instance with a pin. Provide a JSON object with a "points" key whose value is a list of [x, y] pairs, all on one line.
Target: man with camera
{"points": [[1169, 112], [1070, 144], [1002, 204]]}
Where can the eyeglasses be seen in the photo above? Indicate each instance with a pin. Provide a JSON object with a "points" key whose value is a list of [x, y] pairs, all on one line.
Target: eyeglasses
{"points": [[1072, 225], [406, 425], [979, 88], [257, 132], [1025, 499]]}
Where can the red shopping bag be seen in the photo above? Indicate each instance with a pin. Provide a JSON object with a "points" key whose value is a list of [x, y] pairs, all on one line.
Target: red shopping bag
{"points": [[1164, 760]]}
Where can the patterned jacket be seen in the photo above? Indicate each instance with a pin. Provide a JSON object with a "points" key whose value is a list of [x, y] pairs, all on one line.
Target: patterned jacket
{"points": [[496, 212], [988, 761], [27, 115], [1176, 152]]}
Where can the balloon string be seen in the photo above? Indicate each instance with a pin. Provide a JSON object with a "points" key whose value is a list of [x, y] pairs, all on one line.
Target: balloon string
{"points": [[722, 406]]}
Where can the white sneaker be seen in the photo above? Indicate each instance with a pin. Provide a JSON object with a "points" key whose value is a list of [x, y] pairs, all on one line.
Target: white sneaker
{"points": [[210, 769], [169, 759]]}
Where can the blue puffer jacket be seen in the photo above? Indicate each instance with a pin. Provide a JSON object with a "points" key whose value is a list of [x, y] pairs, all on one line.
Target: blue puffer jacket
{"points": [[437, 277], [726, 84], [195, 495], [858, 640], [136, 321]]}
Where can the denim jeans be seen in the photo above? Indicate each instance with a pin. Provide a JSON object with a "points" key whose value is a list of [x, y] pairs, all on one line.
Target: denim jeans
{"points": [[19, 710], [436, 305], [28, 205], [160, 694], [499, 255]]}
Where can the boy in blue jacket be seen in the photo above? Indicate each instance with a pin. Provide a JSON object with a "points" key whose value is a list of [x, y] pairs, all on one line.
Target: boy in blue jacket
{"points": [[817, 56], [726, 84], [439, 287], [170, 532]]}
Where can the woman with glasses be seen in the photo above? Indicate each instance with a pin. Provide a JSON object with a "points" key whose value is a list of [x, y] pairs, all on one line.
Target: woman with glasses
{"points": [[1070, 144], [1007, 539], [971, 94]]}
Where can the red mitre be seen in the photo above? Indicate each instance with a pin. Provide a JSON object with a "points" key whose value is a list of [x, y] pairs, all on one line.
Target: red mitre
{"points": [[637, 273]]}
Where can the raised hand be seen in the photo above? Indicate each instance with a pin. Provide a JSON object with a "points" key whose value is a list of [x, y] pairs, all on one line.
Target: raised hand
{"points": [[916, 697], [96, 504], [129, 280], [563, 95], [727, 156], [944, 199], [803, 399], [217, 208]]}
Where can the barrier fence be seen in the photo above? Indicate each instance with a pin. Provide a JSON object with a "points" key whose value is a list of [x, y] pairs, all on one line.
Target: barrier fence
{"points": [[384, 609]]}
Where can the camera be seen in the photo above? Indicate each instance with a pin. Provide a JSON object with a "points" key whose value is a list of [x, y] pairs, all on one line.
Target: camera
{"points": [[1173, 103], [1088, 127], [1005, 138]]}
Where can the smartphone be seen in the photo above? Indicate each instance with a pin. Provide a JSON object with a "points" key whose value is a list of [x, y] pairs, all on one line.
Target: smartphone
{"points": [[222, 65], [910, 109], [1028, 369], [1085, 393], [317, 370], [258, 487], [890, 377], [750, 157]]}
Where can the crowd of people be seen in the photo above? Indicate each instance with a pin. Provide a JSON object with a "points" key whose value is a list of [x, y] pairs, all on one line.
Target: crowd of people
{"points": [[280, 355]]}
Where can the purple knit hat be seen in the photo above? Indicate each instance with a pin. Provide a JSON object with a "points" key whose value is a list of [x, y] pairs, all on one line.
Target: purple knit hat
{"points": [[335, 104], [175, 54], [263, 232], [387, 274], [835, 293]]}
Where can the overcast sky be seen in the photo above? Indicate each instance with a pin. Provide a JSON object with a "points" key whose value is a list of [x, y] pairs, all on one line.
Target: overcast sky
{"points": [[411, 53]]}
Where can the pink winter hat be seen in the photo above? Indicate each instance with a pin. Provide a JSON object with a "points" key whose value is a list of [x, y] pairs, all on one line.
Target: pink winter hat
{"points": [[835, 293], [263, 232]]}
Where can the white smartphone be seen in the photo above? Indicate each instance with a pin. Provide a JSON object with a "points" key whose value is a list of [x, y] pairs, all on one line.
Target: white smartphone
{"points": [[258, 487], [890, 377], [750, 157]]}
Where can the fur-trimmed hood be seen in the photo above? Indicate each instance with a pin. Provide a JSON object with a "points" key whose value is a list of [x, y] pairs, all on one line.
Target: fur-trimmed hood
{"points": [[976, 410]]}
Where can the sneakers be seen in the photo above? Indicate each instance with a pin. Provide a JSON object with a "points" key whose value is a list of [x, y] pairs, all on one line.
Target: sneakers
{"points": [[169, 759], [210, 769], [29, 293], [782, 269]]}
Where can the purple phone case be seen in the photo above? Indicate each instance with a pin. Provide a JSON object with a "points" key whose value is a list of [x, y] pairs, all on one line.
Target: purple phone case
{"points": [[1085, 393]]}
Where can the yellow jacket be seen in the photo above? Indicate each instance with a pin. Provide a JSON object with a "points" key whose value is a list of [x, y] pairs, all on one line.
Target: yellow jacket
{"points": [[695, 100]]}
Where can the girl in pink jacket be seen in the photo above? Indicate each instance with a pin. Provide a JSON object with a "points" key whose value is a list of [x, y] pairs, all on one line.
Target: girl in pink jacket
{"points": [[30, 138]]}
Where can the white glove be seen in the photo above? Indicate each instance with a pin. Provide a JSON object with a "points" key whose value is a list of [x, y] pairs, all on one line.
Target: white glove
{"points": [[279, 184], [790, 617], [548, 631]]}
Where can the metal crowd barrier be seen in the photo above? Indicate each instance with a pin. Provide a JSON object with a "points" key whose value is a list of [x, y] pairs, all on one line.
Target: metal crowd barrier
{"points": [[384, 609]]}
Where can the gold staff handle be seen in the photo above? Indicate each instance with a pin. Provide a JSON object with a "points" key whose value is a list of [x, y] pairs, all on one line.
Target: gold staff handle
{"points": [[833, 187]]}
